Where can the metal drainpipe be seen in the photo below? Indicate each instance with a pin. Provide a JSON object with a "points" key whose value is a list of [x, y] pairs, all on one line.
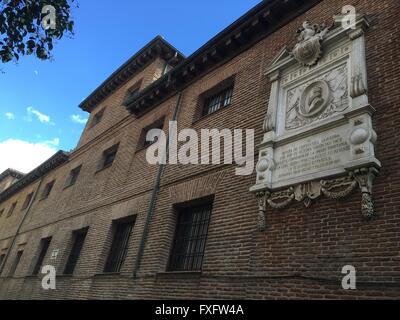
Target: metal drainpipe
{"points": [[154, 195], [20, 224]]}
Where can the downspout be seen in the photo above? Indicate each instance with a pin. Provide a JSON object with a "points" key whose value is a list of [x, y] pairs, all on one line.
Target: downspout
{"points": [[154, 194], [20, 225]]}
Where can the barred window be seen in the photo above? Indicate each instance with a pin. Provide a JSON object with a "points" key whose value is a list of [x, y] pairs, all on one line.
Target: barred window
{"points": [[78, 242], [44, 246], [47, 189], [16, 262], [190, 239], [27, 201], [217, 101], [109, 157], [121, 233], [73, 176], [11, 210]]}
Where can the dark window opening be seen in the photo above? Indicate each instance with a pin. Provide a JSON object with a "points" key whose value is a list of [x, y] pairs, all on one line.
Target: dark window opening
{"points": [[143, 142], [133, 92], [16, 262], [47, 189], [190, 238], [11, 210], [44, 246], [97, 118], [73, 176], [79, 240], [27, 201], [2, 259], [122, 231], [1, 212], [109, 157]]}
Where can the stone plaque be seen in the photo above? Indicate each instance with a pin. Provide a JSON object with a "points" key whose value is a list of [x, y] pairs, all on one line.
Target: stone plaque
{"points": [[318, 128]]}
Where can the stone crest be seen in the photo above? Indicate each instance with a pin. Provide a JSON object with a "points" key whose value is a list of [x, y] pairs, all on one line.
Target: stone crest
{"points": [[309, 48]]}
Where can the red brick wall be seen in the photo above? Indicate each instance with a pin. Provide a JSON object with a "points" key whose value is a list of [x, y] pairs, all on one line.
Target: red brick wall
{"points": [[299, 255]]}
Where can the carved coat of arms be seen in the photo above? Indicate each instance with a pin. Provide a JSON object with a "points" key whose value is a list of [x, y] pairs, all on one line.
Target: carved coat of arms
{"points": [[309, 48]]}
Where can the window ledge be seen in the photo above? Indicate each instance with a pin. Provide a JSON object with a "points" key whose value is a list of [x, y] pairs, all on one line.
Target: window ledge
{"points": [[107, 274]]}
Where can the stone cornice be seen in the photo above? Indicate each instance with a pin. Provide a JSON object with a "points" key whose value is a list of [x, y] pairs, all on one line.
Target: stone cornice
{"points": [[11, 173], [259, 22], [59, 158], [158, 47]]}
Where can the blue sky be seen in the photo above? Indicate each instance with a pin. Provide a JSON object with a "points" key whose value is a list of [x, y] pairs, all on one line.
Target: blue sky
{"points": [[38, 100]]}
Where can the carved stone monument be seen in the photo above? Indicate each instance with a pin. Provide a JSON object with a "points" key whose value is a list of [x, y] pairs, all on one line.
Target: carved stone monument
{"points": [[318, 138]]}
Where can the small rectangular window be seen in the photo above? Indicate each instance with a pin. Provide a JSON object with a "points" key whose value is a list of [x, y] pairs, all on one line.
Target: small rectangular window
{"points": [[97, 118], [47, 189], [11, 210], [73, 176], [44, 246], [143, 142], [16, 263], [2, 256], [218, 101], [109, 157], [190, 238], [78, 241], [27, 201], [1, 212], [122, 231]]}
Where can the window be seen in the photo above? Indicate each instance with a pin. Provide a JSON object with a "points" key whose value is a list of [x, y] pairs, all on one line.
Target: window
{"points": [[190, 238], [79, 239], [44, 246], [73, 176], [47, 189], [16, 262], [143, 143], [108, 157], [11, 210], [217, 101], [97, 118], [2, 259], [122, 231], [1, 212], [27, 201]]}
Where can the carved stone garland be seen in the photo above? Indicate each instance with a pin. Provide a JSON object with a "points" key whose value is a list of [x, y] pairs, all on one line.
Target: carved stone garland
{"points": [[333, 189]]}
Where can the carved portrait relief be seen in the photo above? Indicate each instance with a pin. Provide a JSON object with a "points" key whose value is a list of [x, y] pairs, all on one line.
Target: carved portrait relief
{"points": [[317, 99]]}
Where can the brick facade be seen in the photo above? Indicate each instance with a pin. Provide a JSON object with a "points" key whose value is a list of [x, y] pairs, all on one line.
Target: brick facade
{"points": [[299, 255]]}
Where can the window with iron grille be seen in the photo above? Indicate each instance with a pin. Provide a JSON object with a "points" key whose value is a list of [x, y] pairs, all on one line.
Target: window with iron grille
{"points": [[11, 210], [16, 263], [47, 189], [121, 233], [190, 238], [44, 246], [27, 201], [108, 157], [78, 241], [97, 118], [73, 176], [217, 101]]}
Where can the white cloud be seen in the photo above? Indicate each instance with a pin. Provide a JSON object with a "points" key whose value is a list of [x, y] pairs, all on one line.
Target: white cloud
{"points": [[25, 156], [10, 115], [36, 72], [41, 117], [55, 142], [78, 119]]}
